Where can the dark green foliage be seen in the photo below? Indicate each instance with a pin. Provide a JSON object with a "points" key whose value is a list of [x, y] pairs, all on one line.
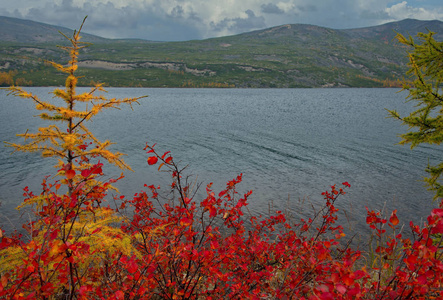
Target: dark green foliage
{"points": [[426, 123]]}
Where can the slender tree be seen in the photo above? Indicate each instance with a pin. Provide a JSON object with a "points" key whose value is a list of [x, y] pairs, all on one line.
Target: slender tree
{"points": [[74, 142], [72, 230], [425, 123]]}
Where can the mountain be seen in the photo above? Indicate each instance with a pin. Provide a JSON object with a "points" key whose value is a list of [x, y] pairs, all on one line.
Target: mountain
{"points": [[293, 55], [25, 31], [405, 27]]}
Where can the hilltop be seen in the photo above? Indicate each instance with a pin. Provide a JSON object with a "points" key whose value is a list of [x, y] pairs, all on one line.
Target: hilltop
{"points": [[293, 55]]}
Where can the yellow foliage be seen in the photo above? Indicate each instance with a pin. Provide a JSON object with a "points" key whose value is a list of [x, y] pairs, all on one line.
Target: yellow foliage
{"points": [[70, 141], [11, 257], [58, 67], [60, 94], [105, 240], [7, 78], [22, 81], [64, 144]]}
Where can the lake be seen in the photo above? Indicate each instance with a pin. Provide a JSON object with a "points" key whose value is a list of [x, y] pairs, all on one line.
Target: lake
{"points": [[290, 145]]}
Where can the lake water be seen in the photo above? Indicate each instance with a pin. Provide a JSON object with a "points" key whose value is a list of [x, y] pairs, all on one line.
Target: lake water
{"points": [[290, 145]]}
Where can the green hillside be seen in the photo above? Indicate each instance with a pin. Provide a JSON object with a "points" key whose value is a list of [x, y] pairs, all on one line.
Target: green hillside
{"points": [[284, 56]]}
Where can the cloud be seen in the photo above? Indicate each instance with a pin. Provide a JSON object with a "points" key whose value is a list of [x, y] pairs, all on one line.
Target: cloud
{"points": [[307, 8], [241, 24], [374, 15], [177, 12], [402, 11], [271, 8], [197, 19], [114, 19]]}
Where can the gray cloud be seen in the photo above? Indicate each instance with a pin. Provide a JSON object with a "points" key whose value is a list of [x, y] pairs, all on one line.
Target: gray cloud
{"points": [[177, 12], [307, 8], [197, 19], [105, 19], [251, 22], [14, 14], [271, 8], [374, 15]]}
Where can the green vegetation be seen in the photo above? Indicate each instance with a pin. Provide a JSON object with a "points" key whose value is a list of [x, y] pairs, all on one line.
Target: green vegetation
{"points": [[426, 89], [284, 56]]}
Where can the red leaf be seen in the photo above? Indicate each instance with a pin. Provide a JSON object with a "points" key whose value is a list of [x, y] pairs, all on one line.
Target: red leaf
{"points": [[97, 169], [185, 221], [86, 173], [82, 290], [119, 295], [30, 268], [393, 219], [410, 261], [437, 212], [215, 245], [212, 211], [168, 160], [54, 234], [341, 288], [347, 280], [70, 174], [152, 160], [132, 267], [4, 281], [166, 153]]}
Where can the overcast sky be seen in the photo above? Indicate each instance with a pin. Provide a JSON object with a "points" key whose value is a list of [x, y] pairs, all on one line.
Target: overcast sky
{"points": [[178, 20]]}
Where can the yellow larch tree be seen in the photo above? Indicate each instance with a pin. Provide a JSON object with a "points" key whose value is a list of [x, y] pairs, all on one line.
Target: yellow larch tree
{"points": [[75, 142], [74, 217]]}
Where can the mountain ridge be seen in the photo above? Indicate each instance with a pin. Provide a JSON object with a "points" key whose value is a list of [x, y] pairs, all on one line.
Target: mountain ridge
{"points": [[291, 55], [27, 30]]}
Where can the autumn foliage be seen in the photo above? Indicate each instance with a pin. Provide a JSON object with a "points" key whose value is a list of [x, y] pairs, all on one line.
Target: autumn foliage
{"points": [[8, 79], [180, 248], [82, 244]]}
